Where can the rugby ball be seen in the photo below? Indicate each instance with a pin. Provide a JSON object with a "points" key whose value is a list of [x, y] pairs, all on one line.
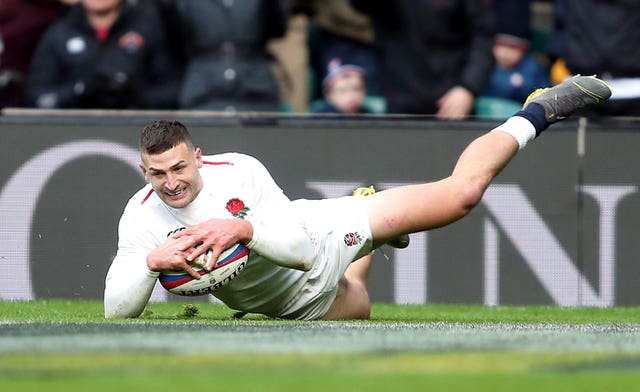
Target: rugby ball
{"points": [[229, 265]]}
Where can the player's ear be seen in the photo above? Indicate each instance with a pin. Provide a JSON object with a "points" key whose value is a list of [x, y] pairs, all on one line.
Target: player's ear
{"points": [[144, 171], [199, 156]]}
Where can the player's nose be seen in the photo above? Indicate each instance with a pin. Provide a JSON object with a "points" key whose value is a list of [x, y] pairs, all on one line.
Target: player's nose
{"points": [[172, 182]]}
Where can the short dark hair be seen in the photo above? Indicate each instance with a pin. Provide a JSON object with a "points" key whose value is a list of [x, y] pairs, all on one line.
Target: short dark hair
{"points": [[162, 135]]}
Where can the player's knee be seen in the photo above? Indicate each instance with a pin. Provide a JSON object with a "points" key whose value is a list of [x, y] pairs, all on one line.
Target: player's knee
{"points": [[470, 194]]}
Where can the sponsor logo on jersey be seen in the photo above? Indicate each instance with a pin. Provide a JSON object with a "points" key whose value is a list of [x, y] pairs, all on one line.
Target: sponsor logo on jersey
{"points": [[172, 232]]}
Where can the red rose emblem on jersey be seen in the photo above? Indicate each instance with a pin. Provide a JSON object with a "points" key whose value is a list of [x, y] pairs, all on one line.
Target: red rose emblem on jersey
{"points": [[237, 208], [235, 205], [351, 239]]}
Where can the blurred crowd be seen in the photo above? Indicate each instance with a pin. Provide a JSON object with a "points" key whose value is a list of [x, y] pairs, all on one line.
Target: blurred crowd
{"points": [[451, 59]]}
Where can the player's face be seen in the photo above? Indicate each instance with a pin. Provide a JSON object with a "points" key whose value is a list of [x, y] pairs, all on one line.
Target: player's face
{"points": [[174, 174]]}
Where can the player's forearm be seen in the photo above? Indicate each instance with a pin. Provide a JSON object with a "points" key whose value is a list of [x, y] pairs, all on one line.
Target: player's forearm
{"points": [[127, 292], [283, 246]]}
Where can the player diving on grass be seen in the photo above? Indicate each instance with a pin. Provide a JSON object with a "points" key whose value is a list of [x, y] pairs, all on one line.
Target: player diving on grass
{"points": [[309, 258]]}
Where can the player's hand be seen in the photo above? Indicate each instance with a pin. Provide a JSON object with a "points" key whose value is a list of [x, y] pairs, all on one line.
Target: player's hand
{"points": [[456, 104], [214, 234], [172, 256]]}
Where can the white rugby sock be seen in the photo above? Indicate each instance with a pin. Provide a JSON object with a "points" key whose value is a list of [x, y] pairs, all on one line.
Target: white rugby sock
{"points": [[520, 128]]}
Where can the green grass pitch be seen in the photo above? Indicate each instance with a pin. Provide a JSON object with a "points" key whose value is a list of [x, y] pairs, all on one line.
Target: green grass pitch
{"points": [[62, 345]]}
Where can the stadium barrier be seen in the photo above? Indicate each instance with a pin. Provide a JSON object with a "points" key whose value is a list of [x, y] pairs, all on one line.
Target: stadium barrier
{"points": [[558, 226]]}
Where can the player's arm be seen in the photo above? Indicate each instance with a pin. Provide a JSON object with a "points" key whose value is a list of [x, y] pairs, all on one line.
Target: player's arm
{"points": [[133, 273], [281, 240], [281, 236], [130, 281], [271, 228], [128, 286], [279, 233]]}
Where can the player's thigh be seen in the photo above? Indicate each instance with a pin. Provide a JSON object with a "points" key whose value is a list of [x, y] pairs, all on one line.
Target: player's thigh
{"points": [[413, 208]]}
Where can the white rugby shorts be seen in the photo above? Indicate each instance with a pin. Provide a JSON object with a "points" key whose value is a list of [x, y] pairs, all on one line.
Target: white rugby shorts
{"points": [[340, 231]]}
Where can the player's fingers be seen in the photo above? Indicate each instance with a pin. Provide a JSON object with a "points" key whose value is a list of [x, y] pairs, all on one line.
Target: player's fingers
{"points": [[213, 257], [191, 271], [180, 234], [195, 252], [193, 231], [185, 243]]}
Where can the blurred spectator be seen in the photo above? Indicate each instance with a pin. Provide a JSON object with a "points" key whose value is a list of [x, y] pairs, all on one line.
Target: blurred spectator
{"points": [[228, 64], [601, 37], [344, 89], [22, 22], [104, 54], [516, 72], [291, 67], [337, 30], [435, 55], [167, 10]]}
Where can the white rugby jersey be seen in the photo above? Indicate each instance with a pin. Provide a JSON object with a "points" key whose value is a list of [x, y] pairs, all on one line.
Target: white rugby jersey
{"points": [[234, 185]]}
